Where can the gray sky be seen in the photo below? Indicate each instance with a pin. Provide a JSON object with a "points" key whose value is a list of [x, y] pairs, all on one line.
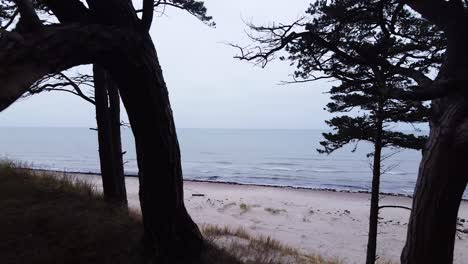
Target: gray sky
{"points": [[208, 88]]}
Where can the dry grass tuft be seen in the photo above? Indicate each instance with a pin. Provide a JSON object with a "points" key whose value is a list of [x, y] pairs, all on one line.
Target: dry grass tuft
{"points": [[258, 250], [275, 211]]}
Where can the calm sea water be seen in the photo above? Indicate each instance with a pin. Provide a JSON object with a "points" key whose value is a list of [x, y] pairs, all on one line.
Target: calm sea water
{"points": [[266, 157]]}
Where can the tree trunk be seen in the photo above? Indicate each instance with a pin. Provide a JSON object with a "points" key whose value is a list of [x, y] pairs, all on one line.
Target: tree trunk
{"points": [[110, 147], [441, 182], [170, 234], [374, 206], [442, 176], [114, 111]]}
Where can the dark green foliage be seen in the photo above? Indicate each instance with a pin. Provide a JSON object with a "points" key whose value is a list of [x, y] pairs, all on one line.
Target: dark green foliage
{"points": [[370, 47], [346, 39], [370, 44], [353, 129]]}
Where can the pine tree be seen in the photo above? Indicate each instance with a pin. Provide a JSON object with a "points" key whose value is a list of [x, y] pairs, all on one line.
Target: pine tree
{"points": [[380, 52]]}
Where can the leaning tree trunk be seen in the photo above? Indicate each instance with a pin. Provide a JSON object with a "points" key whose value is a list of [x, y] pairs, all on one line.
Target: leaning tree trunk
{"points": [[374, 206], [110, 148], [169, 230], [443, 174]]}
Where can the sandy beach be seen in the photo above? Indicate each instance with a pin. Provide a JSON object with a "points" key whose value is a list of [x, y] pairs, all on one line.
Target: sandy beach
{"points": [[332, 224]]}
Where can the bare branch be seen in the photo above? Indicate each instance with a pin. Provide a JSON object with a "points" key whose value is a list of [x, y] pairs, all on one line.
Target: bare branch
{"points": [[199, 15], [77, 88], [62, 81], [311, 79], [278, 37]]}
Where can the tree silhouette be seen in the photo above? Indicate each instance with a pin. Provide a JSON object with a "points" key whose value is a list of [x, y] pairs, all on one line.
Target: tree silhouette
{"points": [[380, 52]]}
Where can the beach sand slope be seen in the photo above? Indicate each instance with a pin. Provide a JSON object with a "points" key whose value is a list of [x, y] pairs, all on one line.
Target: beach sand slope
{"points": [[332, 224]]}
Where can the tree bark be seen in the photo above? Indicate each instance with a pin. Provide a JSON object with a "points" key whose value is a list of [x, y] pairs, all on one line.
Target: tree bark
{"points": [[110, 147], [374, 206], [439, 189]]}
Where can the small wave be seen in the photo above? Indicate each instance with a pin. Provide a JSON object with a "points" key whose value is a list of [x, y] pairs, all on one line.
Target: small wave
{"points": [[398, 173], [224, 162], [279, 169], [345, 186], [328, 170], [280, 163]]}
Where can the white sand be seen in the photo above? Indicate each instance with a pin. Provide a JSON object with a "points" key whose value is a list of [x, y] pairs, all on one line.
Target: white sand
{"points": [[329, 223]]}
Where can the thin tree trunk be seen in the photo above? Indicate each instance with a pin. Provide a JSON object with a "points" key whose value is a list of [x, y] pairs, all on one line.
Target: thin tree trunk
{"points": [[374, 206], [110, 147], [114, 111]]}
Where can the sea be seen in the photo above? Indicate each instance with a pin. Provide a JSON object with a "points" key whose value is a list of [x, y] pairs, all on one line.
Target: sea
{"points": [[272, 157]]}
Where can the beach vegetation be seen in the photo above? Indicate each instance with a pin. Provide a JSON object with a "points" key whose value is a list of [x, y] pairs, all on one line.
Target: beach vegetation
{"points": [[258, 249], [244, 207], [274, 211], [54, 218]]}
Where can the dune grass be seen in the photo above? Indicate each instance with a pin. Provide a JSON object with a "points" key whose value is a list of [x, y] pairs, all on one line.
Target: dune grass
{"points": [[46, 218], [253, 250]]}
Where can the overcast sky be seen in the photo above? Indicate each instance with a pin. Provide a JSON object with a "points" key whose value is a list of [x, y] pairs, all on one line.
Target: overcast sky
{"points": [[208, 88]]}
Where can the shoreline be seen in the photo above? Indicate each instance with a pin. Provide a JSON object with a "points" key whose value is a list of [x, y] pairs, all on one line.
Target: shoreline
{"points": [[242, 184]]}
